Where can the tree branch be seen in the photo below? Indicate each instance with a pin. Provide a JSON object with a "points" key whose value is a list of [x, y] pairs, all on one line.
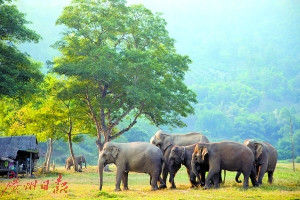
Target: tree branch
{"points": [[121, 117], [129, 126], [91, 111]]}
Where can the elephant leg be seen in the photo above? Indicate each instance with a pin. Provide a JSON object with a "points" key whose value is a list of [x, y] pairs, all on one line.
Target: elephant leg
{"points": [[161, 183], [253, 177], [220, 177], [154, 180], [193, 180], [202, 178], [246, 180], [164, 176], [211, 173], [172, 177], [216, 179], [261, 173], [270, 177], [125, 181], [119, 175]]}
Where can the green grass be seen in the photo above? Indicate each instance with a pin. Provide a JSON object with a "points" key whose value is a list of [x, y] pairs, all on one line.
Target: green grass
{"points": [[85, 186]]}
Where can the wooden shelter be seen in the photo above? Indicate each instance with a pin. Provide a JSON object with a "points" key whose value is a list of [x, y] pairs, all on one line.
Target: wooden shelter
{"points": [[18, 155]]}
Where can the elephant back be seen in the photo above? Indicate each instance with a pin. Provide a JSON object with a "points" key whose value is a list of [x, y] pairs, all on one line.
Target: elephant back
{"points": [[189, 139]]}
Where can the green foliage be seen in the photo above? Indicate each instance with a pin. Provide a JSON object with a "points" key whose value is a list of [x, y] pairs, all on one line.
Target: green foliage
{"points": [[125, 62], [19, 75]]}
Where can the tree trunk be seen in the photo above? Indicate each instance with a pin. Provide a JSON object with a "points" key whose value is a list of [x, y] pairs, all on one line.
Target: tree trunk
{"points": [[50, 148], [71, 152], [46, 158], [292, 141]]}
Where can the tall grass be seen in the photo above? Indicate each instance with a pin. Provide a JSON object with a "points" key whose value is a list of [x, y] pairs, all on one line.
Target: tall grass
{"points": [[85, 186]]}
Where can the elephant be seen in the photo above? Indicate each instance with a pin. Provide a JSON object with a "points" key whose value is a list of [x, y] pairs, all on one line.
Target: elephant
{"points": [[166, 141], [140, 157], [231, 156], [79, 159], [183, 155], [265, 159]]}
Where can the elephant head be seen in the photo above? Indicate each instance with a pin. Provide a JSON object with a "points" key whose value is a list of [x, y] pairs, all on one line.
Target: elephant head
{"points": [[107, 155], [256, 147], [81, 159], [162, 140], [200, 156], [176, 157]]}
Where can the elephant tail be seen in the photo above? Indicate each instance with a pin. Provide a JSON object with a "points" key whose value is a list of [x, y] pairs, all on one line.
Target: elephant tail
{"points": [[237, 177]]}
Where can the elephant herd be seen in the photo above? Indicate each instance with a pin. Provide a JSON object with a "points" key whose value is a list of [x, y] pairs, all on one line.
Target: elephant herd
{"points": [[167, 152]]}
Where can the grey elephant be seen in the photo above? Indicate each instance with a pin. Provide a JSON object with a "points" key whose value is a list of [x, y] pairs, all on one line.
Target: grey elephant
{"points": [[79, 160], [229, 156], [182, 155], [166, 141], [265, 159], [138, 157]]}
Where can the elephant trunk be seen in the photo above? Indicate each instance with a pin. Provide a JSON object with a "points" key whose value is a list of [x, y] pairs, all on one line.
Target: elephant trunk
{"points": [[84, 163], [195, 170], [171, 170], [238, 176], [100, 171]]}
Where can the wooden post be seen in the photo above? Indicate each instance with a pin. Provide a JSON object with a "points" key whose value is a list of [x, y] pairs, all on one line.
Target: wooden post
{"points": [[292, 140], [30, 165], [17, 169]]}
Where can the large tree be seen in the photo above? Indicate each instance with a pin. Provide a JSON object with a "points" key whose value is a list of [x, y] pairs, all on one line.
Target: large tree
{"points": [[127, 64], [19, 75]]}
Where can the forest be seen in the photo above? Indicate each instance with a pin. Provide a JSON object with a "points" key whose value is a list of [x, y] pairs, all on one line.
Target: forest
{"points": [[228, 70]]}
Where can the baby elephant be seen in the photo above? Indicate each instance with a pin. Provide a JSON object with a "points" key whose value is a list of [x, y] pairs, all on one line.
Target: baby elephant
{"points": [[138, 157], [182, 155], [79, 159]]}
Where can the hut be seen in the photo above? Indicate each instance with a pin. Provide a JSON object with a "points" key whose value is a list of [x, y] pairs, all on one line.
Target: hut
{"points": [[18, 155]]}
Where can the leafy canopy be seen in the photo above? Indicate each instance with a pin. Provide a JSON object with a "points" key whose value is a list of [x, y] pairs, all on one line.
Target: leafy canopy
{"points": [[18, 74], [126, 62]]}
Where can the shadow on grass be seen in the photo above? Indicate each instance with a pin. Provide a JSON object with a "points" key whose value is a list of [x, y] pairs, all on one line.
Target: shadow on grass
{"points": [[109, 196]]}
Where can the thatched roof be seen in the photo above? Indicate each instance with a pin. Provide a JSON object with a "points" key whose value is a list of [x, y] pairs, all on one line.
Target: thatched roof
{"points": [[9, 146]]}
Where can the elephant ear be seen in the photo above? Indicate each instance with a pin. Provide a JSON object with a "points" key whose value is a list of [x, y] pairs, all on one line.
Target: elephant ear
{"points": [[258, 149], [167, 141], [114, 151], [204, 152]]}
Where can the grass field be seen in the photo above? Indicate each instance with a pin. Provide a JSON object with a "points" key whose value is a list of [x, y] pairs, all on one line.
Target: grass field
{"points": [[85, 186]]}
